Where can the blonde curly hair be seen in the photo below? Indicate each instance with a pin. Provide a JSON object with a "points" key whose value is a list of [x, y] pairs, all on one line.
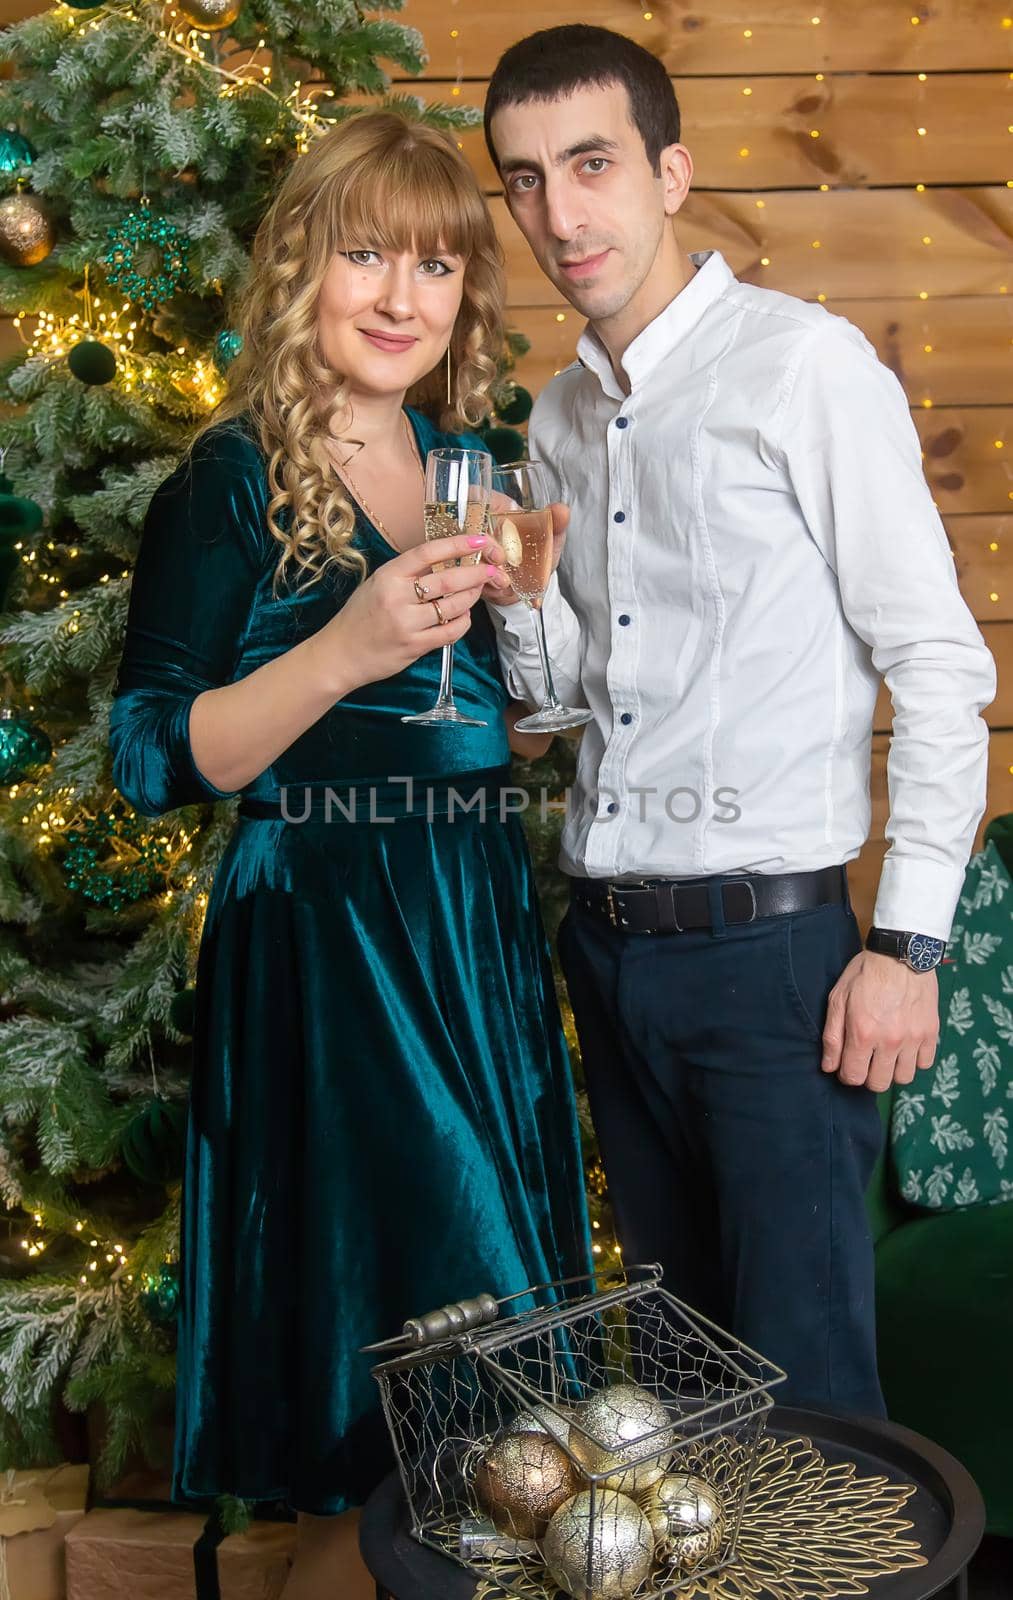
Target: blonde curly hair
{"points": [[389, 183]]}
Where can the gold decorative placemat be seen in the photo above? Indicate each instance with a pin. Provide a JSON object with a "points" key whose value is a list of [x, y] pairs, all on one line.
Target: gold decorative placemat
{"points": [[811, 1530]]}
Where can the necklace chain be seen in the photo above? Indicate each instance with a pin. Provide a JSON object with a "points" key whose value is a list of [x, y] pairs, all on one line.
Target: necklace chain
{"points": [[371, 514]]}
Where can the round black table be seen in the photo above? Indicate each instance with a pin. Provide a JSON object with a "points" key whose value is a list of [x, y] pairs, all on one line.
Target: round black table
{"points": [[946, 1511]]}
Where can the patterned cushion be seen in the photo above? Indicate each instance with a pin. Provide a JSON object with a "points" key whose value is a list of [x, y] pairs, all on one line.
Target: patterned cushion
{"points": [[950, 1128]]}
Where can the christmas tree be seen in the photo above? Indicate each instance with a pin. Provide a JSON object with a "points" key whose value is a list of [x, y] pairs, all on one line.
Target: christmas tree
{"points": [[142, 145]]}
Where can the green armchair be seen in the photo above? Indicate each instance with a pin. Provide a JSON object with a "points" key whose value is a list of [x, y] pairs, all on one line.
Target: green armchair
{"points": [[944, 1300]]}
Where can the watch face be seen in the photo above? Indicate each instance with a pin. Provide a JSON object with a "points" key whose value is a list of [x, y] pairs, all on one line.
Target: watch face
{"points": [[923, 953]]}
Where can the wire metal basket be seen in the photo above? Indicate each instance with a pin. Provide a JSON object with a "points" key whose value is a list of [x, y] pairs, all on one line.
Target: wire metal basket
{"points": [[640, 1422]]}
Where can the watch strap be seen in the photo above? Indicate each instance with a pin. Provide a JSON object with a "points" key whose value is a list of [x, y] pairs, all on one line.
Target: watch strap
{"points": [[886, 942]]}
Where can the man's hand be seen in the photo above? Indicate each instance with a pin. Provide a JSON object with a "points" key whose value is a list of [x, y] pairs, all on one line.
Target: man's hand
{"points": [[882, 1022], [560, 518]]}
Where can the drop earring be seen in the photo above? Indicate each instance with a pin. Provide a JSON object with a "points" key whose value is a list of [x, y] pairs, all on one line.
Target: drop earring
{"points": [[448, 376]]}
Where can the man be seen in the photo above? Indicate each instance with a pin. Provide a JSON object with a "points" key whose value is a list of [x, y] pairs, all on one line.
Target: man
{"points": [[752, 546]]}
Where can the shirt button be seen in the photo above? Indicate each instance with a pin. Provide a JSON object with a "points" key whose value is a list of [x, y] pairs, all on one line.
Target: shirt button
{"points": [[620, 516], [613, 808], [624, 620], [622, 422], [626, 719]]}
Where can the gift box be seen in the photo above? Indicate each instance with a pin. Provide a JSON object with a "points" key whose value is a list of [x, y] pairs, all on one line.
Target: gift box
{"points": [[38, 1509], [164, 1555]]}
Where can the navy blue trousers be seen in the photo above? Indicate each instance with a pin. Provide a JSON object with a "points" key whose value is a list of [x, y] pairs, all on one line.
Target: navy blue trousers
{"points": [[731, 1158]]}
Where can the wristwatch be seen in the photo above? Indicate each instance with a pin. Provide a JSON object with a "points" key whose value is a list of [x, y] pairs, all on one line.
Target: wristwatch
{"points": [[919, 951]]}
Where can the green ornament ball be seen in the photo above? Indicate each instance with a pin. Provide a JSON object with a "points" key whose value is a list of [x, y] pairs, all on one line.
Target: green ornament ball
{"points": [[152, 1143], [159, 1295], [92, 362], [517, 408], [84, 5], [181, 1012], [23, 747], [227, 346], [19, 516], [15, 151], [505, 444]]}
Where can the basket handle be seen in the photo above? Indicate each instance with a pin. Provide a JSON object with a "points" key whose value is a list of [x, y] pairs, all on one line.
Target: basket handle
{"points": [[459, 1317]]}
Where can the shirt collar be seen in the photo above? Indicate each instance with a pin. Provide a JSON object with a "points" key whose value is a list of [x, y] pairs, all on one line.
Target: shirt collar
{"points": [[653, 343]]}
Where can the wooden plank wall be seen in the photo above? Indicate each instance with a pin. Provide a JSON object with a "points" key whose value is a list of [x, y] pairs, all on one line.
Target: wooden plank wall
{"points": [[860, 152]]}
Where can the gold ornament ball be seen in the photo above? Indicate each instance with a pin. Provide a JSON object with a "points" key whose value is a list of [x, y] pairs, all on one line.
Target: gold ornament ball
{"points": [[26, 232], [521, 1480], [686, 1518], [542, 1419], [599, 1544], [211, 15], [608, 1431]]}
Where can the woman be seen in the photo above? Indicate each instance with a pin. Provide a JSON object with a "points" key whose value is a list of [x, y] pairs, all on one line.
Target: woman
{"points": [[381, 1115]]}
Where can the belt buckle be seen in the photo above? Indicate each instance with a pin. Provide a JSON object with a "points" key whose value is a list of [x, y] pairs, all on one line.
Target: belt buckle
{"points": [[610, 902], [745, 884]]}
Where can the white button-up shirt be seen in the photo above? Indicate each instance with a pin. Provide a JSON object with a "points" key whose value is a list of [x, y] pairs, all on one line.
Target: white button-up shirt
{"points": [[752, 545]]}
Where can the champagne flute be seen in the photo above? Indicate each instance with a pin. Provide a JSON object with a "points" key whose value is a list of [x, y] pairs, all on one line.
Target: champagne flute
{"points": [[458, 485], [525, 534]]}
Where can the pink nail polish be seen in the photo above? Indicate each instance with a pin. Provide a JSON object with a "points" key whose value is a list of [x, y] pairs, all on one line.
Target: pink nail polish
{"points": [[475, 540]]}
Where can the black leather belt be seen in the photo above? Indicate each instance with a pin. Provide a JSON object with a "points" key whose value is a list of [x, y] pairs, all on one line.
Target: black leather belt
{"points": [[679, 905]]}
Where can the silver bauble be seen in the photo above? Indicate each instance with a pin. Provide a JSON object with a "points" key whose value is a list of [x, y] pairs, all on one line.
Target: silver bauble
{"points": [[599, 1554], [607, 1434], [686, 1518], [553, 1420], [521, 1480]]}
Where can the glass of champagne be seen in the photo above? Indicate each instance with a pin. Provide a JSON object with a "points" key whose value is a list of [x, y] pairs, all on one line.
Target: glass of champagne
{"points": [[524, 530], [458, 485]]}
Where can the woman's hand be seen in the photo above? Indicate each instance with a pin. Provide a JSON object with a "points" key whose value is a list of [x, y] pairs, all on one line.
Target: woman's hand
{"points": [[386, 624], [560, 519]]}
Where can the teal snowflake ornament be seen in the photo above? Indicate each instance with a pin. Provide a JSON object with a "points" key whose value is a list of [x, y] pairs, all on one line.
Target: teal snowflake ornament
{"points": [[146, 258], [112, 862]]}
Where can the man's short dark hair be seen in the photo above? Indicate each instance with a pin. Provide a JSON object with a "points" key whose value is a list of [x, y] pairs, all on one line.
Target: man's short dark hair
{"points": [[557, 61]]}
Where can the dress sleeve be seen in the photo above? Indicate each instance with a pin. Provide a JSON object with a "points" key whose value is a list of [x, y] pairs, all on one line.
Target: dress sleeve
{"points": [[204, 548]]}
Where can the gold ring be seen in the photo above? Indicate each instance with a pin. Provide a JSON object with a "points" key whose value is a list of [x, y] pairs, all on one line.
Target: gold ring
{"points": [[422, 590], [436, 605]]}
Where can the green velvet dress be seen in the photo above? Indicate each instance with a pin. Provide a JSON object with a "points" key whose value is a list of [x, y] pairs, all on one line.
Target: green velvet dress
{"points": [[381, 1114]]}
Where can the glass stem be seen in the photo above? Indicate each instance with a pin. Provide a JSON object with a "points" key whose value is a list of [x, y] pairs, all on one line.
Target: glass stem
{"points": [[446, 695], [550, 702]]}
